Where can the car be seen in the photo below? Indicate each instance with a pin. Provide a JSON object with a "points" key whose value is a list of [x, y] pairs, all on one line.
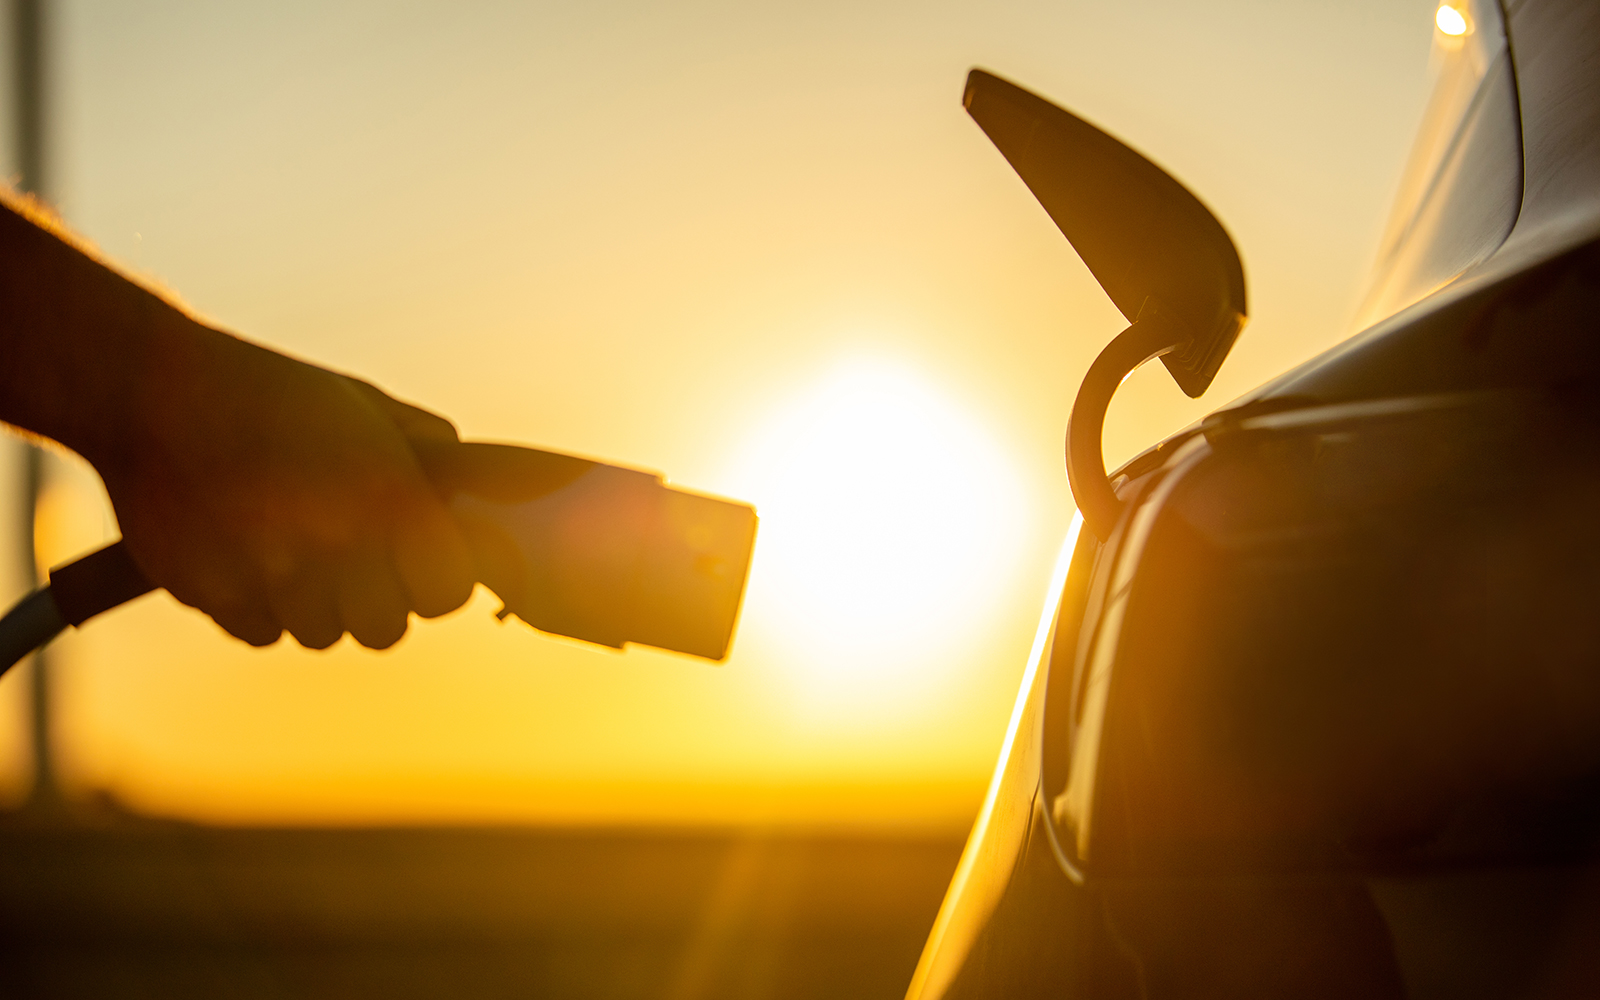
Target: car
{"points": [[1314, 710]]}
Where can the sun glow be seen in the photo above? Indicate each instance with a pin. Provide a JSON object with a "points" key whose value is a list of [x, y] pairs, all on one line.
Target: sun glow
{"points": [[890, 521]]}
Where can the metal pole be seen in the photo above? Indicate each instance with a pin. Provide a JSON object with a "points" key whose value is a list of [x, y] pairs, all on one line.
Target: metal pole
{"points": [[27, 34], [28, 84]]}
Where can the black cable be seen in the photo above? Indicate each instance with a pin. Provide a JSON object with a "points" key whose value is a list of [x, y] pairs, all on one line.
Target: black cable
{"points": [[32, 623]]}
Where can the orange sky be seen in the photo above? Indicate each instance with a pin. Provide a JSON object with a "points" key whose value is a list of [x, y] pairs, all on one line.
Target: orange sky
{"points": [[762, 251]]}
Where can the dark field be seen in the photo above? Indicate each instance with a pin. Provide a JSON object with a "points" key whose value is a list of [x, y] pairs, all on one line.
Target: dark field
{"points": [[133, 909]]}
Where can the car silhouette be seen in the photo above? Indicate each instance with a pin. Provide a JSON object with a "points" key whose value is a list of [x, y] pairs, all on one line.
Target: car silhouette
{"points": [[1314, 710]]}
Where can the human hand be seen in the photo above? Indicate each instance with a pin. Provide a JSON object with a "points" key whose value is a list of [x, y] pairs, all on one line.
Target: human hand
{"points": [[275, 495]]}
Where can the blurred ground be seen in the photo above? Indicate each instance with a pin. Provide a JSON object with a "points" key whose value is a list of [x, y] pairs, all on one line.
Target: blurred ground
{"points": [[129, 908]]}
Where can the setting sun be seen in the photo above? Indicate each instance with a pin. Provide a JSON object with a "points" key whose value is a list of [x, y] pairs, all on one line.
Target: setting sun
{"points": [[891, 521]]}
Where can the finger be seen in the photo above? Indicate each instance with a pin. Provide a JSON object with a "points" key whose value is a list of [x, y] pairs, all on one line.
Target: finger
{"points": [[372, 603], [431, 438], [216, 589], [415, 423], [308, 607], [431, 558], [496, 558], [253, 625]]}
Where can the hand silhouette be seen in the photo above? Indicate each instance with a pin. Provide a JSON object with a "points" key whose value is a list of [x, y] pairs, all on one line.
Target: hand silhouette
{"points": [[272, 495], [269, 493]]}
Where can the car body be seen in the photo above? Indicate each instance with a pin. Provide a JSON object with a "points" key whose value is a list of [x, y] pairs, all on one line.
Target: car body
{"points": [[1319, 715]]}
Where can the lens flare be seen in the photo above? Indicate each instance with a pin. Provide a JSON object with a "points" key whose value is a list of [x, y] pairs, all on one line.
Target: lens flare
{"points": [[1451, 20]]}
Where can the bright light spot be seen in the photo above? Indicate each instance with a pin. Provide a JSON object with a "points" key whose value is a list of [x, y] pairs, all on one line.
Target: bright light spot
{"points": [[1450, 20], [890, 524]]}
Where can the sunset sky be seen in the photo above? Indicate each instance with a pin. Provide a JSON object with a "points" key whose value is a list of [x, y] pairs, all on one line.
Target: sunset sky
{"points": [[759, 248]]}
